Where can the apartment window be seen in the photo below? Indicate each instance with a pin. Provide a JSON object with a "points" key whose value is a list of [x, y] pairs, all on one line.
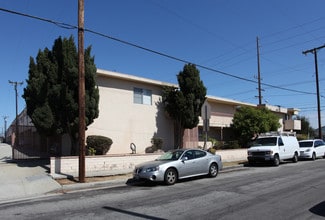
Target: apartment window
{"points": [[142, 96]]}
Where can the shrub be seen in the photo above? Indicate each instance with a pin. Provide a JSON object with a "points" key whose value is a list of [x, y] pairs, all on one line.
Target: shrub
{"points": [[231, 145], [214, 142], [212, 150], [302, 137], [100, 144], [149, 150], [91, 151], [157, 143], [223, 145]]}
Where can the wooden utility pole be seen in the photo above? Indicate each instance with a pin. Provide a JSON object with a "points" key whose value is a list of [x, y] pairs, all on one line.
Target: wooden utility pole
{"points": [[81, 67], [16, 144], [259, 73], [314, 51], [5, 128]]}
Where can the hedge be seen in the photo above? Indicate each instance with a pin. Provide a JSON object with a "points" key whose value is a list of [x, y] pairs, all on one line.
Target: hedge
{"points": [[99, 144]]}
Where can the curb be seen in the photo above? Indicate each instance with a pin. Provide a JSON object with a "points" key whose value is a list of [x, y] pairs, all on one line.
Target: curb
{"points": [[75, 187]]}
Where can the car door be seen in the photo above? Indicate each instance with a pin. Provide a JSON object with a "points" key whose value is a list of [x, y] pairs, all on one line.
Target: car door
{"points": [[322, 149], [282, 149], [319, 148], [188, 164], [201, 162]]}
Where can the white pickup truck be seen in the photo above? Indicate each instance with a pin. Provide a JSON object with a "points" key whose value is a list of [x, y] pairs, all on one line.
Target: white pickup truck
{"points": [[274, 147]]}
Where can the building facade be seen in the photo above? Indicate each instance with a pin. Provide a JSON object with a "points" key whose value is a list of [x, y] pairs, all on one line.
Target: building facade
{"points": [[131, 113]]}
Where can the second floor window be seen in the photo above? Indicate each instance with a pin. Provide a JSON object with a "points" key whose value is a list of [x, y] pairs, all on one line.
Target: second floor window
{"points": [[142, 96]]}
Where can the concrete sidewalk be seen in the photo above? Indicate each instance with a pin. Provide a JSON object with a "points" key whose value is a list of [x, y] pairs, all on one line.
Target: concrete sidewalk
{"points": [[30, 179], [23, 179]]}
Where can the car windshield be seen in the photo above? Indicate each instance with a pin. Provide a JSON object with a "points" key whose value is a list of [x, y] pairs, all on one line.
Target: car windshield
{"points": [[269, 141], [171, 155], [306, 144]]}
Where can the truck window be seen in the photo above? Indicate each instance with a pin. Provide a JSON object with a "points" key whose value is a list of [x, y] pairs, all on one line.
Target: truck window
{"points": [[268, 141], [280, 142]]}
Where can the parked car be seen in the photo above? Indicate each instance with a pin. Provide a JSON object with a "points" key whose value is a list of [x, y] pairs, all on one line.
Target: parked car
{"points": [[179, 164], [312, 149], [274, 147]]}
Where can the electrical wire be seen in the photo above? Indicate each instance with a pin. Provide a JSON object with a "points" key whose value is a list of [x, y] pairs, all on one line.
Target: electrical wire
{"points": [[59, 24], [69, 26]]}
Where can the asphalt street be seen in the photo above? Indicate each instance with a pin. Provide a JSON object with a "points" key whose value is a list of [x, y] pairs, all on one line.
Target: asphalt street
{"points": [[290, 191]]}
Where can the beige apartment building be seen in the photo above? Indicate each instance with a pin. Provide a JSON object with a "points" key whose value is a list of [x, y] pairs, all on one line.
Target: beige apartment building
{"points": [[130, 111]]}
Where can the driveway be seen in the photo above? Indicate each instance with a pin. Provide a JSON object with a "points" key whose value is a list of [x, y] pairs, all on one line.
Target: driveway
{"points": [[21, 179]]}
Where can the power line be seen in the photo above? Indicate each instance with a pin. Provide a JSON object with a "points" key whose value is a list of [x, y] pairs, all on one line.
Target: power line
{"points": [[292, 28], [69, 26], [60, 24]]}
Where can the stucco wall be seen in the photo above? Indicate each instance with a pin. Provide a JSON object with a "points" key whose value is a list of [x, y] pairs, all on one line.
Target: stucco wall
{"points": [[126, 122], [97, 165]]}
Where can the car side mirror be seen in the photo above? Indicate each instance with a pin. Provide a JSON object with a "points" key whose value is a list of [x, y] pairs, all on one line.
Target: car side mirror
{"points": [[184, 159]]}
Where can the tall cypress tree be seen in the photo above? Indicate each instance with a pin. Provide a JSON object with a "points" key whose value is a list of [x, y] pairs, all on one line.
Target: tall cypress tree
{"points": [[51, 94], [184, 104]]}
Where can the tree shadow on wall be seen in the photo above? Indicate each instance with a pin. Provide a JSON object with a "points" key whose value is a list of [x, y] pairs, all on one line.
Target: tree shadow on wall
{"points": [[165, 129]]}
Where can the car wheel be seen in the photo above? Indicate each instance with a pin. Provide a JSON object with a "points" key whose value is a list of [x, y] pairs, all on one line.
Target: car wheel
{"points": [[170, 176], [313, 157], [213, 170], [276, 161], [295, 158]]}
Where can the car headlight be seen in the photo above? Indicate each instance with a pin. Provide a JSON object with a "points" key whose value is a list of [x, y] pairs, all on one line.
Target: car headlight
{"points": [[269, 152], [307, 150], [151, 169]]}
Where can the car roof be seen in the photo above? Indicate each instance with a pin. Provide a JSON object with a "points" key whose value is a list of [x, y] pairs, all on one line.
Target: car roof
{"points": [[311, 140]]}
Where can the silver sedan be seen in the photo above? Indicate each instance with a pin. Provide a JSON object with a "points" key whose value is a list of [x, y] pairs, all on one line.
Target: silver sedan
{"points": [[179, 164]]}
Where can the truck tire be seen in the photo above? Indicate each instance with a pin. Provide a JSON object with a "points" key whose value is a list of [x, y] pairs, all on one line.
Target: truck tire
{"points": [[313, 157], [276, 161], [295, 158]]}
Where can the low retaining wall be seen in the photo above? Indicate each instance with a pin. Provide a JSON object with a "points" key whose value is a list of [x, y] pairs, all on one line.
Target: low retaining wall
{"points": [[97, 165], [105, 165], [232, 155]]}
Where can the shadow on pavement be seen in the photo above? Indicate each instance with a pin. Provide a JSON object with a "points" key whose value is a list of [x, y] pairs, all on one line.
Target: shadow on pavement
{"points": [[134, 182], [44, 163], [131, 214], [318, 209]]}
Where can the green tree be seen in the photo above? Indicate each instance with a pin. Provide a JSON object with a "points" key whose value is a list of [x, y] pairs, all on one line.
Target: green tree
{"points": [[184, 104], [306, 131], [51, 94], [249, 122]]}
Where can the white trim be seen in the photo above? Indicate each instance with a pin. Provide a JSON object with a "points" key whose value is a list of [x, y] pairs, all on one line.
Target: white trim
{"points": [[133, 78]]}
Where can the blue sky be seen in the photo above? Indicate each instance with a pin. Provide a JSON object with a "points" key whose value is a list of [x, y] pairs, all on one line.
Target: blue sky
{"points": [[217, 34]]}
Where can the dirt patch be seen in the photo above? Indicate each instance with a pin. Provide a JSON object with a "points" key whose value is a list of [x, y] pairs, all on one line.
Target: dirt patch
{"points": [[68, 181], [235, 163]]}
